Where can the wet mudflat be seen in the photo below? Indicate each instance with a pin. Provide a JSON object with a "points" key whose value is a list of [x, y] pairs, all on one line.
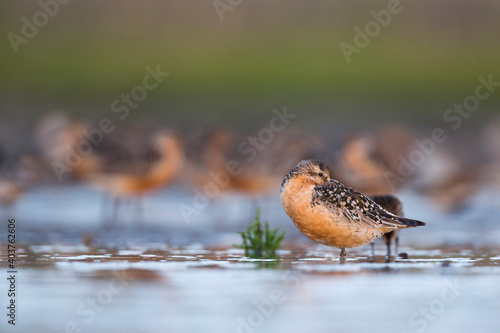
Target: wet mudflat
{"points": [[166, 275], [197, 289]]}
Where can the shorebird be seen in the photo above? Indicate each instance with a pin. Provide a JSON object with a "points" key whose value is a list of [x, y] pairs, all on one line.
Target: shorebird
{"points": [[160, 173], [17, 174], [370, 161], [359, 165], [214, 161], [250, 181], [57, 136], [333, 214], [449, 180], [10, 191], [393, 205]]}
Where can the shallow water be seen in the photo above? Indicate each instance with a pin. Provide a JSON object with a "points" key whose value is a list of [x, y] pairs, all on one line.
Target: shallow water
{"points": [[196, 289], [165, 275]]}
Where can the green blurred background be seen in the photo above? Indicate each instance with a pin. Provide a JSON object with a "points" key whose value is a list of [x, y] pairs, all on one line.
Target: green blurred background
{"points": [[264, 54]]}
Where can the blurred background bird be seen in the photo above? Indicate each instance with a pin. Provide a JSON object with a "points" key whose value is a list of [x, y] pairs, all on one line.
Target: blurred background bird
{"points": [[393, 205], [156, 174]]}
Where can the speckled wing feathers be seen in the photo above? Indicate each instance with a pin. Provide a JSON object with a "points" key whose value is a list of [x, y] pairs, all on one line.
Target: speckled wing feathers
{"points": [[354, 206]]}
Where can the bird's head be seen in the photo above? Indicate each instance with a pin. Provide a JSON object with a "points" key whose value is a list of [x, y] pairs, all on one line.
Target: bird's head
{"points": [[310, 172], [166, 140]]}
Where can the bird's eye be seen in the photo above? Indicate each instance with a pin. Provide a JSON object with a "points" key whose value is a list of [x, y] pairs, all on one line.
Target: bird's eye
{"points": [[320, 174]]}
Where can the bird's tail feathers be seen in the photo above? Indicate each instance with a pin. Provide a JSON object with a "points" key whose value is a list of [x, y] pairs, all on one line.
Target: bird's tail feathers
{"points": [[409, 223]]}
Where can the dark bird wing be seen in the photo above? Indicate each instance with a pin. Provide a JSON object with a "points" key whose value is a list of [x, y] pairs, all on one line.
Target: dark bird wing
{"points": [[357, 207], [390, 203]]}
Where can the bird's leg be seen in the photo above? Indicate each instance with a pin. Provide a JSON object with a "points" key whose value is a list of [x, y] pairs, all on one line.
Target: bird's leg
{"points": [[104, 210], [396, 245], [342, 256], [115, 210], [140, 210], [372, 254], [388, 251]]}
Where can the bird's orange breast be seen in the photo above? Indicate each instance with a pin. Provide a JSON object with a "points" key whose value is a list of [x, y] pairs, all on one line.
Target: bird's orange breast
{"points": [[320, 223]]}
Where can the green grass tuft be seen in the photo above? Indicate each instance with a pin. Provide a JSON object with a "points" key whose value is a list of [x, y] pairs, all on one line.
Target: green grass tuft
{"points": [[258, 242]]}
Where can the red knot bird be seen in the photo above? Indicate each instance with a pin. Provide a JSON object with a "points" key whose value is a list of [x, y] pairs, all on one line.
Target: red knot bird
{"points": [[333, 214], [392, 204]]}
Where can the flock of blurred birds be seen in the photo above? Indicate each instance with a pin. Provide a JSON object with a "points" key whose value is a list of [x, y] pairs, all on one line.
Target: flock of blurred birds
{"points": [[131, 164]]}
